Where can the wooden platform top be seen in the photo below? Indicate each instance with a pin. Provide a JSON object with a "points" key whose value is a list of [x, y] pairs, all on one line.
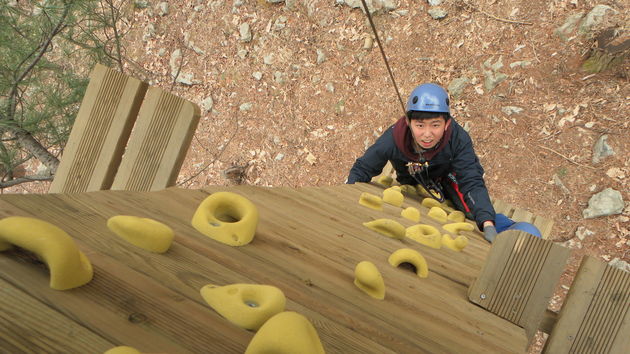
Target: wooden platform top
{"points": [[307, 243]]}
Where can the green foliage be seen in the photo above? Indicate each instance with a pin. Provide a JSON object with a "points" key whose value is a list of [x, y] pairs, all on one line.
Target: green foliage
{"points": [[47, 49]]}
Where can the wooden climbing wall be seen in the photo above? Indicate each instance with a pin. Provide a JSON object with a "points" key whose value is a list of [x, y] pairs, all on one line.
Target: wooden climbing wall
{"points": [[307, 244]]}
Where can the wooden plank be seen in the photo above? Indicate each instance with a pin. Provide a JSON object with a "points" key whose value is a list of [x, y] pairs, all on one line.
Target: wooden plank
{"points": [[518, 279], [594, 317], [159, 142], [100, 132], [298, 248], [29, 326]]}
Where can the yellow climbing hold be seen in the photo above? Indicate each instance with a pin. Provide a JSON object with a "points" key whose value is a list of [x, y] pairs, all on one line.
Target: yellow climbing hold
{"points": [[68, 266], [455, 228], [286, 333], [425, 234], [387, 227], [147, 233], [246, 305], [413, 257], [227, 217], [409, 189], [369, 279], [456, 244], [438, 214], [411, 213], [371, 201], [456, 216], [385, 180], [123, 350], [393, 196]]}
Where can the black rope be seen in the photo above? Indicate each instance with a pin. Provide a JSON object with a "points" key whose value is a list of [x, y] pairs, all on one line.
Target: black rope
{"points": [[391, 75]]}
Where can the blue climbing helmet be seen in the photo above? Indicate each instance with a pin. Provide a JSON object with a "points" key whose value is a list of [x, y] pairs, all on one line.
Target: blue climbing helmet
{"points": [[526, 227], [428, 98]]}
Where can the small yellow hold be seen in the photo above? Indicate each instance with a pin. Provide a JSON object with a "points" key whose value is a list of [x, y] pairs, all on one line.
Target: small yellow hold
{"points": [[385, 180], [286, 333], [68, 266], [146, 233], [456, 216], [425, 234], [371, 201], [409, 189], [413, 257], [227, 217], [455, 228], [457, 244], [387, 227], [393, 196], [123, 350], [423, 192], [369, 279], [248, 306], [438, 214], [411, 213]]}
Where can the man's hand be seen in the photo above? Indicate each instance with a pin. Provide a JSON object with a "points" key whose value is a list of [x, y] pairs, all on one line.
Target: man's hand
{"points": [[489, 232]]}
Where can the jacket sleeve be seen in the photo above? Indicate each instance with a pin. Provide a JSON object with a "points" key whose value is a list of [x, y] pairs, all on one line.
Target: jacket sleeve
{"points": [[469, 174], [374, 159]]}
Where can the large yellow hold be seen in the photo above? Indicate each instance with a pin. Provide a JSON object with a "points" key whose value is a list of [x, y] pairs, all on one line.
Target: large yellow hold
{"points": [[411, 213], [69, 267], [456, 227], [286, 333], [438, 214], [369, 279], [248, 306], [387, 227], [457, 244], [425, 234], [146, 233], [227, 217]]}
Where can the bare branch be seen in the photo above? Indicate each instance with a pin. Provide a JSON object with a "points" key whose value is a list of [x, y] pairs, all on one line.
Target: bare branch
{"points": [[25, 179]]}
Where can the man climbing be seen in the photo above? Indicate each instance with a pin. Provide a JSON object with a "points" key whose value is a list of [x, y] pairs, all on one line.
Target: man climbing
{"points": [[428, 147]]}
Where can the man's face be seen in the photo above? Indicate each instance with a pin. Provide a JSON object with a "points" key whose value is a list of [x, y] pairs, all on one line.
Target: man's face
{"points": [[427, 132]]}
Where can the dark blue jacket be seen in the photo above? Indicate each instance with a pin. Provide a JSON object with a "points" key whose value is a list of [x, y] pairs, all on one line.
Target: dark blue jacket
{"points": [[456, 156]]}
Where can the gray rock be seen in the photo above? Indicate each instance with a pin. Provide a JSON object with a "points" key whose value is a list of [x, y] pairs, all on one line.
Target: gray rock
{"points": [[161, 52], [493, 79], [275, 1], [522, 64], [238, 3], [141, 4], [572, 244], [163, 9], [176, 56], [149, 32], [496, 66], [279, 157], [604, 203], [601, 149], [595, 17], [321, 56], [257, 75], [509, 110], [279, 77], [242, 53], [582, 233], [467, 126], [434, 2], [618, 263], [207, 104], [330, 87], [268, 59], [368, 42], [187, 79], [374, 6], [456, 87], [245, 32], [566, 30], [290, 4], [280, 23], [245, 107], [437, 13]]}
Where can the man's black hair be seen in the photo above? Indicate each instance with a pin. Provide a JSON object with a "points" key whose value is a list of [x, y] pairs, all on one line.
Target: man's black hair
{"points": [[421, 115]]}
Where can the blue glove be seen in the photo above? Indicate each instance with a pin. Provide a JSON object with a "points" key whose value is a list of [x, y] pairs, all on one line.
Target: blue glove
{"points": [[489, 233]]}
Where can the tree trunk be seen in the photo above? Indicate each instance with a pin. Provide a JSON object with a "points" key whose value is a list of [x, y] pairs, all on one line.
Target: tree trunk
{"points": [[36, 149]]}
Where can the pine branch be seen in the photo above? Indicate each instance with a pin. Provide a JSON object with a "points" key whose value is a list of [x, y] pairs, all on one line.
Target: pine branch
{"points": [[25, 179]]}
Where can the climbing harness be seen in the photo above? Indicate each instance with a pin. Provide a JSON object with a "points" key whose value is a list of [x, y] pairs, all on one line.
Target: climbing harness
{"points": [[389, 70], [420, 172]]}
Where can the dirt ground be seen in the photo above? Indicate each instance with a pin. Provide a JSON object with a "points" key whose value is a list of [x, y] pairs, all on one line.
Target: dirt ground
{"points": [[324, 96]]}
